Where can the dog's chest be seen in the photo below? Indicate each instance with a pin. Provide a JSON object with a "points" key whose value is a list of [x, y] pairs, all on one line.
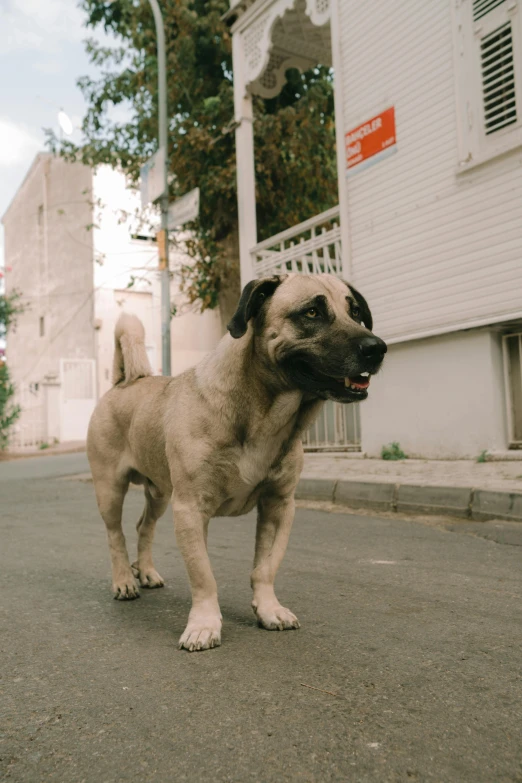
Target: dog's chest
{"points": [[255, 464], [255, 460]]}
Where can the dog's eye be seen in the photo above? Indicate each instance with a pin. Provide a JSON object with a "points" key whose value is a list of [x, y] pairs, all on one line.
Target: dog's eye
{"points": [[312, 312], [356, 312]]}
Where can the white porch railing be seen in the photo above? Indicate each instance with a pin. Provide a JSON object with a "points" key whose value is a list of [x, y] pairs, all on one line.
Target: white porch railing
{"points": [[311, 247]]}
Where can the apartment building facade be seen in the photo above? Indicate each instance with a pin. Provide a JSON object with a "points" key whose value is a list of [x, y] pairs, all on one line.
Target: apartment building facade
{"points": [[77, 250]]}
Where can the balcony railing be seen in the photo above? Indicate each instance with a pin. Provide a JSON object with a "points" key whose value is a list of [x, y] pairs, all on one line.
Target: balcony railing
{"points": [[310, 248]]}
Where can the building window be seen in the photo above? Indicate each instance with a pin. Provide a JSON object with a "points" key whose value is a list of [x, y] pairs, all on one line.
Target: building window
{"points": [[488, 56], [42, 326], [513, 370]]}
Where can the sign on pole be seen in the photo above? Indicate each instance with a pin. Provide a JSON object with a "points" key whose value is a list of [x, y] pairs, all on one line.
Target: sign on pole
{"points": [[161, 237], [183, 210], [370, 142], [152, 176]]}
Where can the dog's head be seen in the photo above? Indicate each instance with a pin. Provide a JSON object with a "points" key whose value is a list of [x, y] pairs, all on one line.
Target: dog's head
{"points": [[315, 331]]}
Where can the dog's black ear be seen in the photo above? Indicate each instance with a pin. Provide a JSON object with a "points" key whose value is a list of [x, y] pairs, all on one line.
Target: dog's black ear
{"points": [[366, 316], [253, 296]]}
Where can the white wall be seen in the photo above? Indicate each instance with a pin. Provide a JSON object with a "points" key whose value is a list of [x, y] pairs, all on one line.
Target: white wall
{"points": [[430, 247], [48, 248], [109, 305], [440, 398], [118, 259], [117, 255], [193, 335]]}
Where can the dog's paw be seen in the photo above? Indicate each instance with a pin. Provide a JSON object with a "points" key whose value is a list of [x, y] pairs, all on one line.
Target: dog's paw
{"points": [[126, 589], [147, 577], [275, 617], [201, 637]]}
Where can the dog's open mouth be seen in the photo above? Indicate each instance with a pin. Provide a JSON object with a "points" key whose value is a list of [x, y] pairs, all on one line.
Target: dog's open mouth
{"points": [[308, 377], [358, 382]]}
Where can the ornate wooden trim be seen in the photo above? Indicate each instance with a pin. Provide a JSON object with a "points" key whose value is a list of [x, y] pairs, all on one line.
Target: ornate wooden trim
{"points": [[268, 54]]}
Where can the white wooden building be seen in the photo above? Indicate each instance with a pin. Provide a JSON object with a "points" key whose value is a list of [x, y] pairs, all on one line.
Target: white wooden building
{"points": [[428, 101]]}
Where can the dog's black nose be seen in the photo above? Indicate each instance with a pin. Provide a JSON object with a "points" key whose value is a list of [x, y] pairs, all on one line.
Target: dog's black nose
{"points": [[372, 348]]}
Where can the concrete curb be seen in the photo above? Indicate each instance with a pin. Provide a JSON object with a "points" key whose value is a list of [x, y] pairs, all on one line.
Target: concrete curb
{"points": [[466, 502], [51, 451]]}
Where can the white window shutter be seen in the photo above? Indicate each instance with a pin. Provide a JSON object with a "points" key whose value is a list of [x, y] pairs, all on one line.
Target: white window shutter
{"points": [[488, 62]]}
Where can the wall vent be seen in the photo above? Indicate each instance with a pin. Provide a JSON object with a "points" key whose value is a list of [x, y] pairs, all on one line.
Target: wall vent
{"points": [[498, 79]]}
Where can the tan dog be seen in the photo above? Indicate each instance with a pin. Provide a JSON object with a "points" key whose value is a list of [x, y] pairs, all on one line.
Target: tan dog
{"points": [[226, 435]]}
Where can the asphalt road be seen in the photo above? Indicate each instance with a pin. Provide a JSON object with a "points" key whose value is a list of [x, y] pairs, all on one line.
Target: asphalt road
{"points": [[407, 666]]}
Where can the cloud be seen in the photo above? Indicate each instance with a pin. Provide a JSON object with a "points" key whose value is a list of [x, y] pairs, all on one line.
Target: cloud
{"points": [[39, 25], [48, 66], [18, 144]]}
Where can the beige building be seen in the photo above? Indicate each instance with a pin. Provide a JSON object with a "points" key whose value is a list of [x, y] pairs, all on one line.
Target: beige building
{"points": [[428, 103], [73, 244]]}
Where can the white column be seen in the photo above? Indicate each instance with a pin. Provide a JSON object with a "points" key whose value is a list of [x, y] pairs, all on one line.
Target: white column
{"points": [[344, 208], [246, 180]]}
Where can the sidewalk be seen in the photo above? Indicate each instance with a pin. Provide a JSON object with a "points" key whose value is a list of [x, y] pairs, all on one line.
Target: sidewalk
{"points": [[463, 488], [70, 447], [460, 488]]}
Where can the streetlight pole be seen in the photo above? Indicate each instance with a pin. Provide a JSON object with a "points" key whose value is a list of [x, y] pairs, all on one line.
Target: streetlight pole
{"points": [[163, 135]]}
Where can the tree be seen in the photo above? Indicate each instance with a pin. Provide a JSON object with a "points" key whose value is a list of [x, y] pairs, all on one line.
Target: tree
{"points": [[294, 132], [10, 306]]}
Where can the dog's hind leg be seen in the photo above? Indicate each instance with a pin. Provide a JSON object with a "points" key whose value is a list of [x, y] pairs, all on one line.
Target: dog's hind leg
{"points": [[155, 505], [274, 522], [110, 494]]}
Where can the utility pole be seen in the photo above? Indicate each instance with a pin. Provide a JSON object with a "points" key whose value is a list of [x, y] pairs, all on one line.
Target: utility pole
{"points": [[163, 135]]}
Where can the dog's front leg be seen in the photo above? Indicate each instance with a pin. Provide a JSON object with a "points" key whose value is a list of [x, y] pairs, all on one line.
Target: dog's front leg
{"points": [[203, 629], [274, 522]]}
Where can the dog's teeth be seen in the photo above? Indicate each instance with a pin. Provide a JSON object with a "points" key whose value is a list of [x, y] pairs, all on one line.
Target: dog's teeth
{"points": [[365, 374], [347, 382]]}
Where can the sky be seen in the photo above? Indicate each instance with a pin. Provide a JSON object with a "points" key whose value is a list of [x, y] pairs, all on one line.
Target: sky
{"points": [[41, 58]]}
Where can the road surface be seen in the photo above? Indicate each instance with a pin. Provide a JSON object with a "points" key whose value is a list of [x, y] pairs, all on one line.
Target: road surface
{"points": [[407, 666]]}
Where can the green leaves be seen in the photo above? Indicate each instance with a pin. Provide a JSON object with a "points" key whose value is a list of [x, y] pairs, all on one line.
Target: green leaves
{"points": [[10, 306], [9, 413], [294, 132]]}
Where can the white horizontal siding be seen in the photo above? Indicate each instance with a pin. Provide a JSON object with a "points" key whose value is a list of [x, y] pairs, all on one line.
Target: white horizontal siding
{"points": [[429, 247]]}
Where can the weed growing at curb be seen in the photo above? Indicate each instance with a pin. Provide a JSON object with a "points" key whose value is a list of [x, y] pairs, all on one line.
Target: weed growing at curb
{"points": [[482, 457], [393, 451]]}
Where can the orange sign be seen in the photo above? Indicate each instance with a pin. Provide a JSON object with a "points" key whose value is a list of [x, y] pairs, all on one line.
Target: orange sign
{"points": [[161, 236], [371, 141]]}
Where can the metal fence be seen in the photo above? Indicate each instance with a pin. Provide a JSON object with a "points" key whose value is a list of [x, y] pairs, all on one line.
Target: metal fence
{"points": [[337, 428], [30, 428]]}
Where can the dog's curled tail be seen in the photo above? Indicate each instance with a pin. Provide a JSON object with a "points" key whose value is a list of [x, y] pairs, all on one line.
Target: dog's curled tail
{"points": [[130, 355]]}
